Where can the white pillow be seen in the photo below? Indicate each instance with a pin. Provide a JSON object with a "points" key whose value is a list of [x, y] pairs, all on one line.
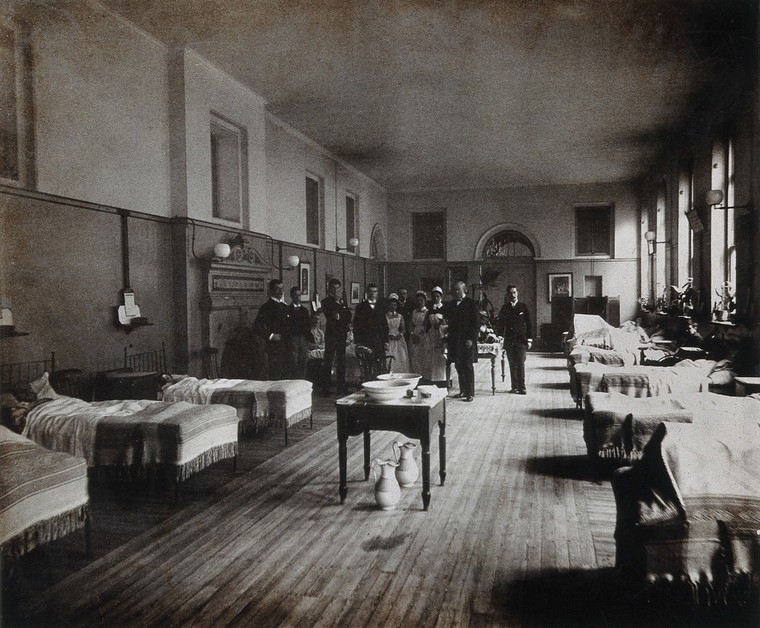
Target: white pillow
{"points": [[42, 388]]}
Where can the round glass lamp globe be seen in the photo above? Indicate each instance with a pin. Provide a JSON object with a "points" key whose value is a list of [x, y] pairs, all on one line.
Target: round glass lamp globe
{"points": [[293, 261], [222, 250]]}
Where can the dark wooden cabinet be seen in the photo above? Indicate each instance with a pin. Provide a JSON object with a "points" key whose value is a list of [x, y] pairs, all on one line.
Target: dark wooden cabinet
{"points": [[124, 384], [563, 309]]}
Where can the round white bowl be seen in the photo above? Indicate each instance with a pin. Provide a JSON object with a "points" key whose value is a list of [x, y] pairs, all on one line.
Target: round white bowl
{"points": [[412, 379], [388, 390]]}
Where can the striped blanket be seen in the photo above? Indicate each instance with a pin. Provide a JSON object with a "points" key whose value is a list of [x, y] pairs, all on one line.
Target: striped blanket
{"points": [[136, 434], [277, 403], [642, 381], [43, 494]]}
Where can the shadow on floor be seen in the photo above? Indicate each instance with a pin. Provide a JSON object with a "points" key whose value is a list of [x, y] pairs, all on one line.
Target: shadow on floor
{"points": [[554, 386], [601, 597], [570, 467], [553, 367], [566, 414]]}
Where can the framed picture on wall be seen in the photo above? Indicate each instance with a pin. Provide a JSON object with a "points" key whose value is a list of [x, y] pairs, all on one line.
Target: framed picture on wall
{"points": [[356, 295], [455, 274], [304, 281], [560, 285]]}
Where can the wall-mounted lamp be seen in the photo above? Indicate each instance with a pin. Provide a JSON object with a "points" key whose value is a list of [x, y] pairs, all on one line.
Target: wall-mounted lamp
{"points": [[292, 261], [221, 252], [714, 198], [651, 238], [352, 244]]}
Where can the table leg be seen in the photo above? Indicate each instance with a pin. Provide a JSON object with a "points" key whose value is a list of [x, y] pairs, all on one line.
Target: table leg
{"points": [[342, 462], [366, 455], [442, 448], [425, 442], [493, 374]]}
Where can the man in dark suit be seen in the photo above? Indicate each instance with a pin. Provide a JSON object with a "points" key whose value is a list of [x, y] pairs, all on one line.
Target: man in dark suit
{"points": [[462, 342], [516, 327], [299, 326], [370, 323], [271, 325], [338, 318]]}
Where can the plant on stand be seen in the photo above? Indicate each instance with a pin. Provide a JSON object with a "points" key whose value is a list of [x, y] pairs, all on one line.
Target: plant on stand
{"points": [[725, 305]]}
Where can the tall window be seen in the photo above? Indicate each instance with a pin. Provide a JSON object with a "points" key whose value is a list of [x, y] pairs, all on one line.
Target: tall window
{"points": [[660, 250], [730, 244], [685, 233], [351, 219], [9, 140], [593, 230], [16, 129], [313, 210], [722, 236], [228, 170], [429, 235]]}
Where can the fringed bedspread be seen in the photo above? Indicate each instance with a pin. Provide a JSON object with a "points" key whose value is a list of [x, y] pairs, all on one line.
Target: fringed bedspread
{"points": [[689, 510], [43, 494], [279, 403], [618, 426], [123, 437]]}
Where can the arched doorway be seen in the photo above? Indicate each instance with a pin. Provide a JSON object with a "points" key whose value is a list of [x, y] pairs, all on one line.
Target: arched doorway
{"points": [[508, 257]]}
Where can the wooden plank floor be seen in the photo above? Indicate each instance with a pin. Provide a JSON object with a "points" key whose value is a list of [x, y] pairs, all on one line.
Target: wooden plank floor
{"points": [[520, 535]]}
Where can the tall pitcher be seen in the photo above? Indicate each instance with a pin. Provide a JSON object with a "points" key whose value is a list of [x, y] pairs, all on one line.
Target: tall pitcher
{"points": [[387, 491], [407, 470]]}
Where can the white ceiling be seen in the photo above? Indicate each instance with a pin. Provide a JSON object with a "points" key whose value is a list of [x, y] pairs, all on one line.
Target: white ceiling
{"points": [[445, 94]]}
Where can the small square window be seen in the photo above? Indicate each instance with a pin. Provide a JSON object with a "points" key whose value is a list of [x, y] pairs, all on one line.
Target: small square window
{"points": [[429, 235], [228, 170], [313, 222], [593, 230], [351, 220], [16, 122]]}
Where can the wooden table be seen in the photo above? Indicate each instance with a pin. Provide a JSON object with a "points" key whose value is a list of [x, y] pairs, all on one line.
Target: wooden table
{"points": [[413, 418], [492, 351]]}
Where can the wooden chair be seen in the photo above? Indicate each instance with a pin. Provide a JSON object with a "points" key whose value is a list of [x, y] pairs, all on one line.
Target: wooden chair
{"points": [[209, 357], [371, 365]]}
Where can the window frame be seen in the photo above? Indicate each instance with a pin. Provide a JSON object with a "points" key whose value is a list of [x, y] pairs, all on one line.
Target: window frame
{"points": [[355, 216], [580, 207], [215, 119], [414, 239], [24, 105], [685, 266], [723, 221], [320, 210]]}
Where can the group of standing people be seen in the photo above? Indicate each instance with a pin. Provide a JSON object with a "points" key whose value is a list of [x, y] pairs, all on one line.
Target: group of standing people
{"points": [[411, 332], [288, 332], [414, 332]]}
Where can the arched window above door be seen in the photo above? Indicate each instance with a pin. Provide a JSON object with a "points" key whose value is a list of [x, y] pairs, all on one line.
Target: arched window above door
{"points": [[508, 243]]}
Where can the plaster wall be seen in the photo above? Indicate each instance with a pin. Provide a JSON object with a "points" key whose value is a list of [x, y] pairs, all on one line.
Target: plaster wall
{"points": [[101, 109]]}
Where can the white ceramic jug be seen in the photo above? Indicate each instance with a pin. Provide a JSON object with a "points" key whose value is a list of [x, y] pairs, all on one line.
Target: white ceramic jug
{"points": [[387, 491], [407, 471]]}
